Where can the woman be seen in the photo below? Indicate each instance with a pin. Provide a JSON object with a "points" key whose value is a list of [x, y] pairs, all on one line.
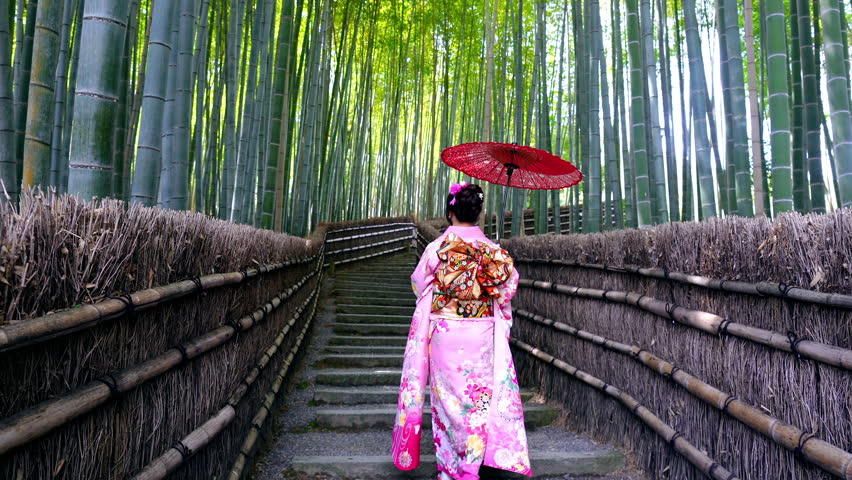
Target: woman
{"points": [[459, 344]]}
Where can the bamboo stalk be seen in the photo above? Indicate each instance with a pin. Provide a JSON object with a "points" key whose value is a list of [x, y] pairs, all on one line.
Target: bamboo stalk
{"points": [[681, 445], [33, 422], [816, 451], [61, 323], [196, 440], [771, 289], [707, 322]]}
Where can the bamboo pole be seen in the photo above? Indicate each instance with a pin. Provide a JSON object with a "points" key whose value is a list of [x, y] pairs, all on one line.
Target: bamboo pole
{"points": [[56, 324], [707, 322], [369, 245], [196, 440], [33, 422], [36, 421], [250, 442], [770, 289], [365, 227], [679, 443], [365, 257], [821, 453], [371, 234]]}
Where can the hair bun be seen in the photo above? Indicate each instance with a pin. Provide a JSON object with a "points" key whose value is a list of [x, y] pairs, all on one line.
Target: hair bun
{"points": [[466, 203]]}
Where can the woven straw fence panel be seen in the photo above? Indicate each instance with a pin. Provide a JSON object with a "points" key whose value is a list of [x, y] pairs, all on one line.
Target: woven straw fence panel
{"points": [[812, 251], [57, 252]]}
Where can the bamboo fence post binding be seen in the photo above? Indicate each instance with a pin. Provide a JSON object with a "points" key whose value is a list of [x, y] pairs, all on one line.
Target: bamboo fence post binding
{"points": [[699, 459], [706, 322], [816, 451]]}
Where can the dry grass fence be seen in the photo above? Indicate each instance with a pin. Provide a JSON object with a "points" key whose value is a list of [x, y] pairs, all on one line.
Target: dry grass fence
{"points": [[735, 334], [137, 341]]}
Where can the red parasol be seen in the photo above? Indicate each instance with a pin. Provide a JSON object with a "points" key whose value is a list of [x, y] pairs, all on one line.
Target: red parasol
{"points": [[500, 163], [513, 166]]}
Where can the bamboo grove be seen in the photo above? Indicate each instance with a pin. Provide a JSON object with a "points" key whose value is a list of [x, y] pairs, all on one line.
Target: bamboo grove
{"points": [[286, 113]]}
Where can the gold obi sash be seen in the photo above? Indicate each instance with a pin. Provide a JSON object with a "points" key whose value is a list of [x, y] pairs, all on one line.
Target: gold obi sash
{"points": [[468, 278]]}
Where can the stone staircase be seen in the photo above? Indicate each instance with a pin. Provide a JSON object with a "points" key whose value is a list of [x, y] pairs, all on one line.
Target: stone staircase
{"points": [[338, 421]]}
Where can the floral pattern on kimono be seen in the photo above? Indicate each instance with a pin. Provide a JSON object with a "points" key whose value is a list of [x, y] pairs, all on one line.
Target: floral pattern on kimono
{"points": [[477, 416]]}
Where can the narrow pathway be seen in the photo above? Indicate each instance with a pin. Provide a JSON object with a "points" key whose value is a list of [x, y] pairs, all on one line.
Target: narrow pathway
{"points": [[338, 419]]}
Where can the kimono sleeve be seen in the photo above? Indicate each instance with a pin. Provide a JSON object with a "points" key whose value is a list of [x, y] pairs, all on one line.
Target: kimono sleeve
{"points": [[506, 291], [424, 273]]}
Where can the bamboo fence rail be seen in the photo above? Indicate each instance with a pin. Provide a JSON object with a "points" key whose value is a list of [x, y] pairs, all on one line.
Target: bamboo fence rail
{"points": [[707, 322], [371, 234], [98, 381], [819, 452], [56, 324], [681, 445], [183, 449], [787, 287], [31, 423], [367, 227], [62, 251], [769, 289], [196, 440], [365, 257], [249, 445], [370, 245]]}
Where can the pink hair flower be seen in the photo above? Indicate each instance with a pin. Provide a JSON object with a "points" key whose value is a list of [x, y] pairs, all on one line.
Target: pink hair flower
{"points": [[456, 188]]}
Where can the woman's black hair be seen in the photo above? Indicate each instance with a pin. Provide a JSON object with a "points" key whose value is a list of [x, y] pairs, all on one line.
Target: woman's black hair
{"points": [[468, 204]]}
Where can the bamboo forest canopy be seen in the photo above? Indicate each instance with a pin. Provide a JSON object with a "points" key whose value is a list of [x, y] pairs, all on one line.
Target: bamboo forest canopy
{"points": [[286, 113]]}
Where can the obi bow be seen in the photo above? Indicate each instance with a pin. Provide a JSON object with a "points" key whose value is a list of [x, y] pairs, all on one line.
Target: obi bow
{"points": [[472, 269]]}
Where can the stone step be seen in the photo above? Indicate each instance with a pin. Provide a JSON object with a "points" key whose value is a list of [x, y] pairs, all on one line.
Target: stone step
{"points": [[384, 263], [380, 270], [373, 318], [374, 309], [544, 465], [373, 280], [394, 274], [355, 350], [535, 415], [363, 395], [376, 291], [356, 377], [368, 360], [368, 340], [400, 287], [366, 276], [389, 270], [371, 329], [379, 293], [405, 301]]}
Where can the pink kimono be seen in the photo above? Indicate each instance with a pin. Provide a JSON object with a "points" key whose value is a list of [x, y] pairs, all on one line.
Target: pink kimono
{"points": [[461, 348]]}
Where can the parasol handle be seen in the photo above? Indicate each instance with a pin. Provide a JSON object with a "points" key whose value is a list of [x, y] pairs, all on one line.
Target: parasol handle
{"points": [[510, 170]]}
